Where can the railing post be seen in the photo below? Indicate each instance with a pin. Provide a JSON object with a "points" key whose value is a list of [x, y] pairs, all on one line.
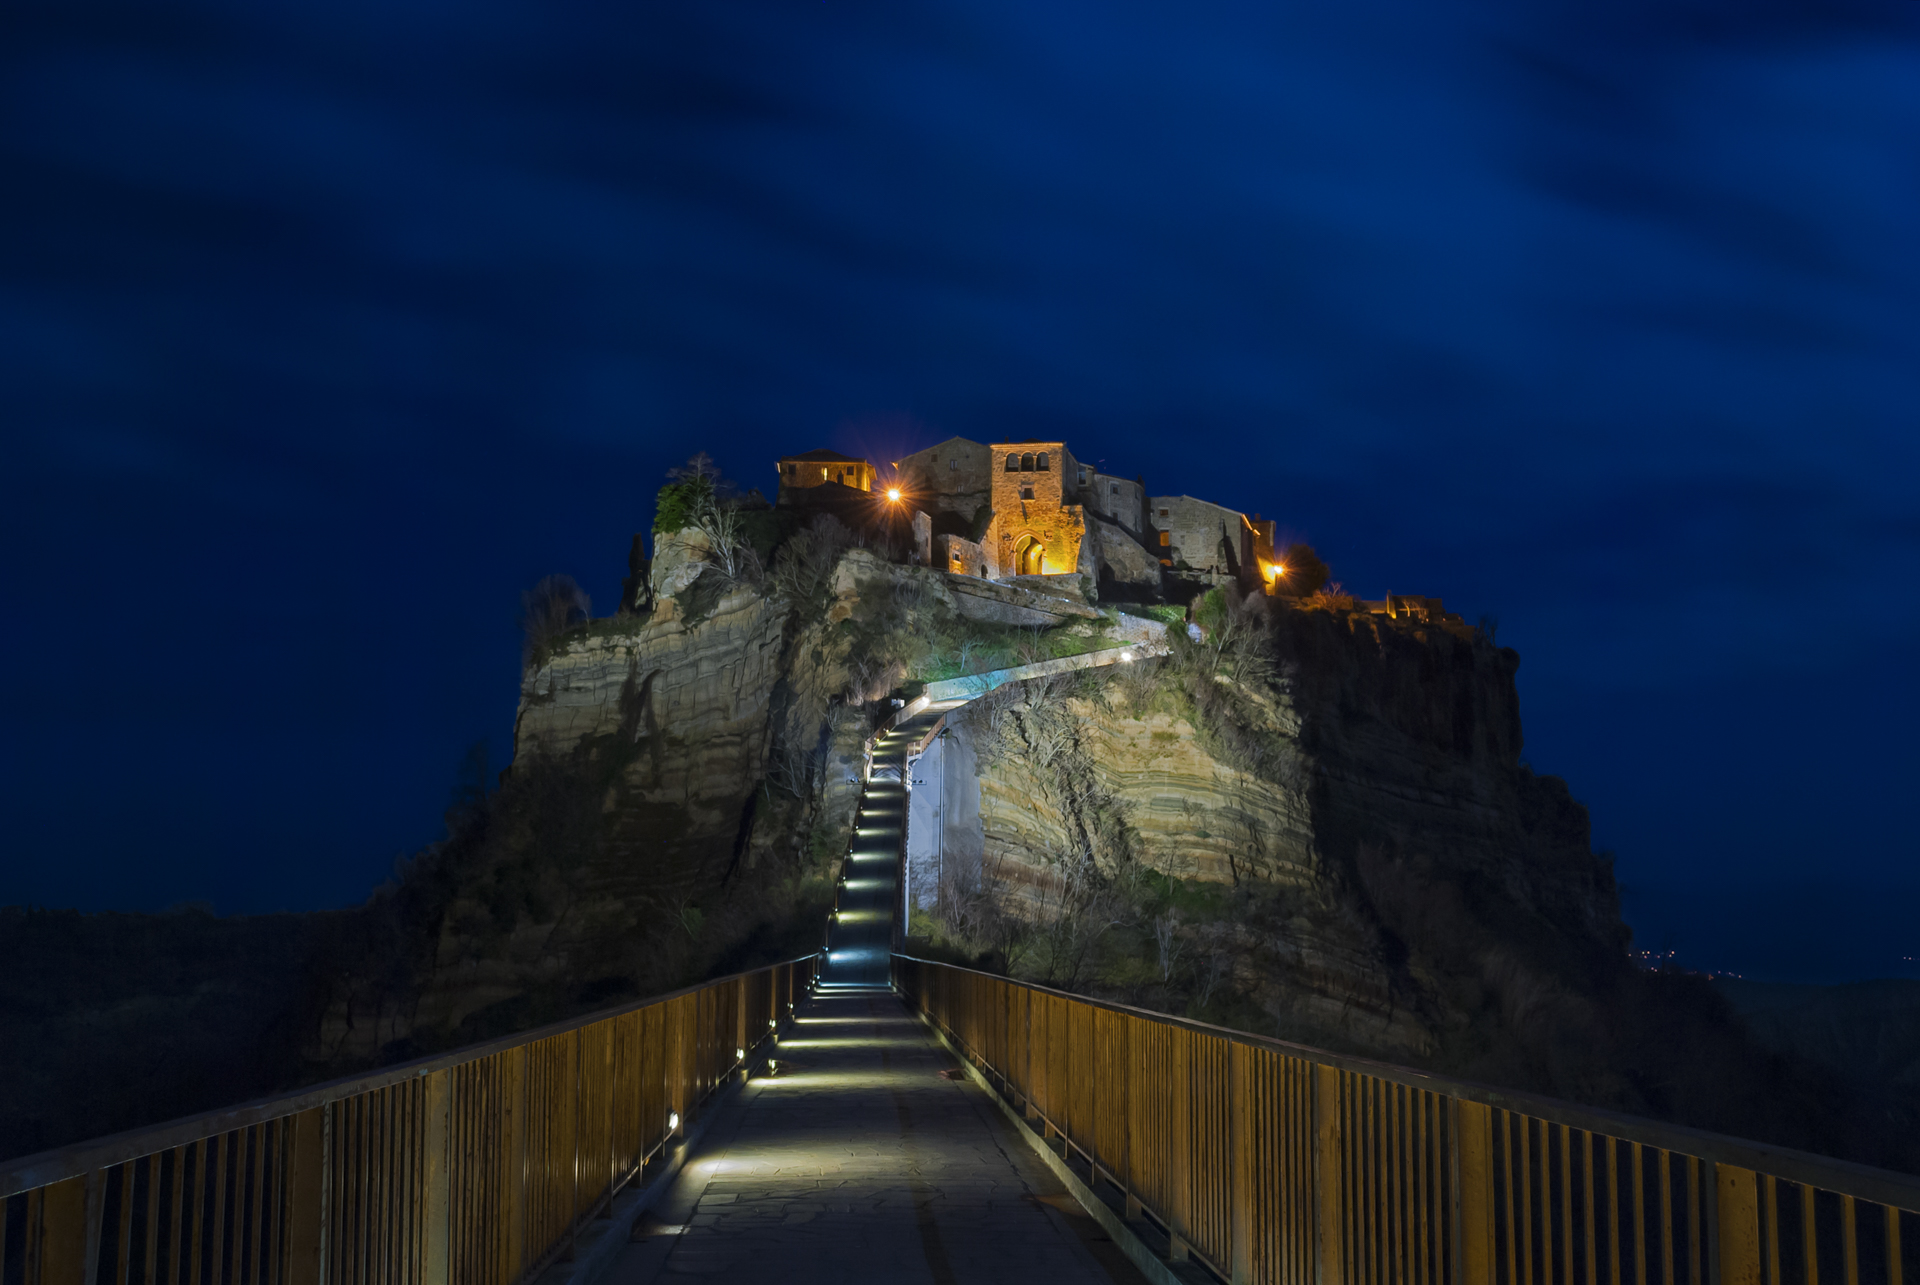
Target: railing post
{"points": [[62, 1239], [515, 1090], [740, 1022], [306, 1197], [1240, 1125], [96, 1222], [1473, 1191], [437, 1179], [1738, 1204], [1328, 1176], [1180, 1119]]}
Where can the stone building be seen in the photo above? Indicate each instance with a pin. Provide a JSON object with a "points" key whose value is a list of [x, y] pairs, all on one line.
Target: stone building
{"points": [[954, 477], [1203, 540], [1038, 528], [1115, 497], [818, 468], [1031, 508], [961, 556]]}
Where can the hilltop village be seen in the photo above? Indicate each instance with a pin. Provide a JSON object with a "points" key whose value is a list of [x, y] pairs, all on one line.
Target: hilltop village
{"points": [[1308, 817], [1030, 511]]}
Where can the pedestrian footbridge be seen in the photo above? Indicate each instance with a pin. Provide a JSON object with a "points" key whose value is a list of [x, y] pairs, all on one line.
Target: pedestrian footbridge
{"points": [[861, 1116]]}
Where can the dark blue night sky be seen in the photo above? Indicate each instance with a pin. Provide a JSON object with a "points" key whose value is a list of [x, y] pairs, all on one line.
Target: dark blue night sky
{"points": [[326, 329]]}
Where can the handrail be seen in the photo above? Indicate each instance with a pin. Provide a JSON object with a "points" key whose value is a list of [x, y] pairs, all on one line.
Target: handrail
{"points": [[1269, 1160], [899, 715], [476, 1164], [970, 686], [934, 729]]}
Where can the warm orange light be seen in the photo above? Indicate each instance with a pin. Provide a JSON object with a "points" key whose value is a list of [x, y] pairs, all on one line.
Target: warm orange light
{"points": [[893, 493], [1279, 568]]}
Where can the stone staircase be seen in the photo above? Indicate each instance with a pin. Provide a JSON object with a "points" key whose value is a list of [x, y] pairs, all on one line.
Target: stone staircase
{"points": [[860, 937]]}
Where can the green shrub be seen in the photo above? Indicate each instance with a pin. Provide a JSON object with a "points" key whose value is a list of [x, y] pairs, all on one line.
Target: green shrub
{"points": [[680, 504], [1210, 611]]}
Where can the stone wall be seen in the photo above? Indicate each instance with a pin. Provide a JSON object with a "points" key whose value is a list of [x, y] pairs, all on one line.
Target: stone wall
{"points": [[1012, 604], [953, 477], [1122, 499], [962, 557], [943, 821], [1123, 558], [1211, 539]]}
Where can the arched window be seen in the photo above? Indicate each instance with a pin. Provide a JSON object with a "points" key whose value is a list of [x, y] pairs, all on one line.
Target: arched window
{"points": [[1041, 462], [1026, 463], [1013, 463]]}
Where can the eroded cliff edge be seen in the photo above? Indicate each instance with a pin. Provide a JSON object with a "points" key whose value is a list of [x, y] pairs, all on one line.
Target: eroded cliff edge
{"points": [[1343, 800]]}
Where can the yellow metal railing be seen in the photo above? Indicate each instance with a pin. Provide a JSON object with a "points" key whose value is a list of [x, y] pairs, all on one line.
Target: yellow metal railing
{"points": [[1270, 1162], [475, 1166]]}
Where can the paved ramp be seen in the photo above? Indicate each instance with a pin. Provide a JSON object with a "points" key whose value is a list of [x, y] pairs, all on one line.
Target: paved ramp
{"points": [[858, 1162]]}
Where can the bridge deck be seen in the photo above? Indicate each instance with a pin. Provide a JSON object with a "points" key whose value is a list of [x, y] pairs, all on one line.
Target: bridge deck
{"points": [[858, 1162]]}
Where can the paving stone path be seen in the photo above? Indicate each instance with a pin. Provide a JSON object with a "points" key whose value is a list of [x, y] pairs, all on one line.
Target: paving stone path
{"points": [[858, 1161]]}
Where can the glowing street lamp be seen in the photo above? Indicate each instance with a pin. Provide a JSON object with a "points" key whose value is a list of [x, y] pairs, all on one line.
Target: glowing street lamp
{"points": [[893, 494]]}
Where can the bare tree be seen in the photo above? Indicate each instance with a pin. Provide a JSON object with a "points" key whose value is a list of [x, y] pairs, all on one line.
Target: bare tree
{"points": [[730, 549], [700, 466], [1216, 960], [1166, 936], [551, 608], [805, 564], [795, 768]]}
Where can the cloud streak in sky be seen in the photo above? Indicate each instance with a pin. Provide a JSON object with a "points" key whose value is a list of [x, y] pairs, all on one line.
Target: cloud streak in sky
{"points": [[1602, 317]]}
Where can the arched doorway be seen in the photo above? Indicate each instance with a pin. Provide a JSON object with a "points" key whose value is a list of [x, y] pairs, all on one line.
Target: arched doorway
{"points": [[1027, 556]]}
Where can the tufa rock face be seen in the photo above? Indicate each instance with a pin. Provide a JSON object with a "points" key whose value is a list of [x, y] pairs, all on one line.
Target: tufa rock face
{"points": [[1123, 558], [1382, 851], [694, 699], [673, 775], [679, 559]]}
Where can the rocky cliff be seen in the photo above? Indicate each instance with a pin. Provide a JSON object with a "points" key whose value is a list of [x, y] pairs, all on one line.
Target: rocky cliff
{"points": [[1309, 821], [1316, 822], [1351, 760], [679, 789]]}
